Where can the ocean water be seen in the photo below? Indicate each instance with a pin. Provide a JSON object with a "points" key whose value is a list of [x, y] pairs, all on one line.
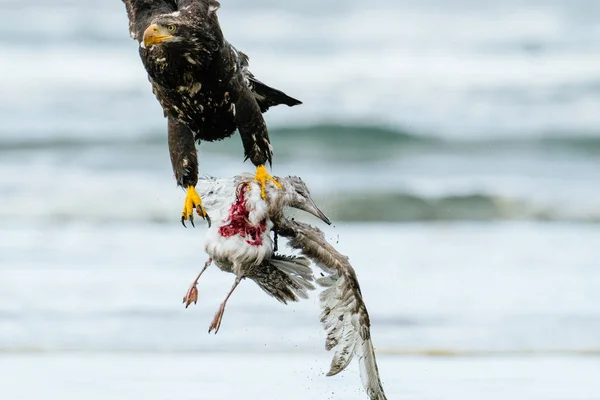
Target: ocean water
{"points": [[455, 145], [468, 110]]}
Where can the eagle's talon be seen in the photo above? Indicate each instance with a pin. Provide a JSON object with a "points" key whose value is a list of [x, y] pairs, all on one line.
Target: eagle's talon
{"points": [[201, 211], [192, 202], [262, 176]]}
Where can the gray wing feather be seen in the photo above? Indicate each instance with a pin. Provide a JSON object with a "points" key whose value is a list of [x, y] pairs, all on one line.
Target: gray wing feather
{"points": [[344, 314], [285, 278]]}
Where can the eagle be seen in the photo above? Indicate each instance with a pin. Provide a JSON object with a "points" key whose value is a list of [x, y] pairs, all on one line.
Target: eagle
{"points": [[204, 87]]}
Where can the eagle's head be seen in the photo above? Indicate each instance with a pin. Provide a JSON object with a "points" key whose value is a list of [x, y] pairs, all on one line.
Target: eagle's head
{"points": [[188, 27], [161, 32]]}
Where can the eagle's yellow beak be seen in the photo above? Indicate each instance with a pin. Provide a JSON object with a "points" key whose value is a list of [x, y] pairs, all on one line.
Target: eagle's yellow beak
{"points": [[155, 34]]}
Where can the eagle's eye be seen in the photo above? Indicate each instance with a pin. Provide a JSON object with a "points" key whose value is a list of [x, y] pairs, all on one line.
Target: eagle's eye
{"points": [[171, 28]]}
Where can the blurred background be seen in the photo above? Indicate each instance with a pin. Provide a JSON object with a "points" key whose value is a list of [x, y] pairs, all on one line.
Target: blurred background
{"points": [[455, 143]]}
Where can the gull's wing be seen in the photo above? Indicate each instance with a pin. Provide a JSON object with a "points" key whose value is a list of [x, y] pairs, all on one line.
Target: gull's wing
{"points": [[344, 314], [217, 195]]}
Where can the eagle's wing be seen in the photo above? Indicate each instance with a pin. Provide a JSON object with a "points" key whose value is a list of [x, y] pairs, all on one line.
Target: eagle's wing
{"points": [[141, 13], [344, 314], [266, 96], [252, 98]]}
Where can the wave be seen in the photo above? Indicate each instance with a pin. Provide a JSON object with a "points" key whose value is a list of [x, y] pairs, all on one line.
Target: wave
{"points": [[408, 207], [343, 207], [366, 138], [67, 141]]}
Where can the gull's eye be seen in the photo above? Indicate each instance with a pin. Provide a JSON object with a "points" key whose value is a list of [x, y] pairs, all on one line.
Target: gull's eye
{"points": [[171, 28]]}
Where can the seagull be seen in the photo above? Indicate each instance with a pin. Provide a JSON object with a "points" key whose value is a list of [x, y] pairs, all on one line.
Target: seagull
{"points": [[239, 241], [241, 244]]}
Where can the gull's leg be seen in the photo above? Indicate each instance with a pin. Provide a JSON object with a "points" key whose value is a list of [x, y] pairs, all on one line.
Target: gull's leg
{"points": [[262, 176], [192, 294], [216, 322], [275, 237]]}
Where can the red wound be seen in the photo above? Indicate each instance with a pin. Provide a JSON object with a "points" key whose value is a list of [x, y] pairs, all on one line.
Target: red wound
{"points": [[238, 221]]}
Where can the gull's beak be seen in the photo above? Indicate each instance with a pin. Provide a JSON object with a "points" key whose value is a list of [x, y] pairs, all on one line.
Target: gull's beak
{"points": [[310, 207], [155, 34]]}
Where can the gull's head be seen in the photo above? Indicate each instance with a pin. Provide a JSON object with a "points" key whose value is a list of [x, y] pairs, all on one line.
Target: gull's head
{"points": [[294, 193]]}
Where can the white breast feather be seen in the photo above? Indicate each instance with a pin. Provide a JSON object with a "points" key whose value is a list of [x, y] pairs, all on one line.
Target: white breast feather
{"points": [[235, 251]]}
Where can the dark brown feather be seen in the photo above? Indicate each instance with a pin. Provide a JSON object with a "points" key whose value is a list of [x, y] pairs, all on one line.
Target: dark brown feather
{"points": [[184, 157]]}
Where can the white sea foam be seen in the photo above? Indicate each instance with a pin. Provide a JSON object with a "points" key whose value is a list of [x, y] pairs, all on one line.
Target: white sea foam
{"points": [[453, 70]]}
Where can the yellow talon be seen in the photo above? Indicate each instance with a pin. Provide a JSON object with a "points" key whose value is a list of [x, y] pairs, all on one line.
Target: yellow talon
{"points": [[192, 201], [262, 176]]}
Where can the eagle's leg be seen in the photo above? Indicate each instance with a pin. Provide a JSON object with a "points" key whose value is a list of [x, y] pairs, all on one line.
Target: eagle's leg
{"points": [[192, 294], [254, 134], [216, 322], [184, 159], [262, 176]]}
